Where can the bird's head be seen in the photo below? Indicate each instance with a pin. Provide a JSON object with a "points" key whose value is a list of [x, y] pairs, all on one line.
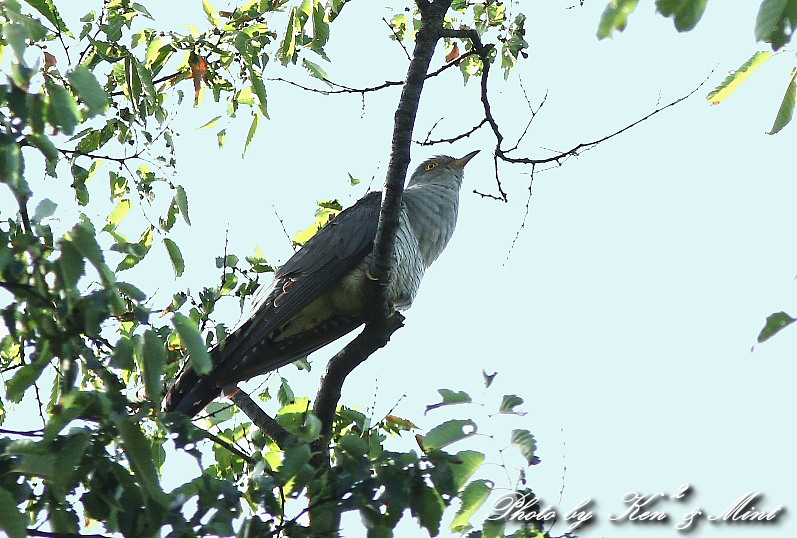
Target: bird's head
{"points": [[441, 169]]}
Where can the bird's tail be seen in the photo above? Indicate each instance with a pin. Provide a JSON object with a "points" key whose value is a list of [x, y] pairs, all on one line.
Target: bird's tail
{"points": [[191, 393]]}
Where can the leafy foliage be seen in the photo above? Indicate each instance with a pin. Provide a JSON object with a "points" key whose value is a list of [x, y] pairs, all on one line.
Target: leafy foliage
{"points": [[104, 349]]}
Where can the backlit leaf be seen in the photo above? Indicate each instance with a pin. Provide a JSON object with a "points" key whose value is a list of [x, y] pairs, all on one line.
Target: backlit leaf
{"points": [[449, 398], [210, 123], [786, 109], [175, 256], [48, 9], [62, 108], [120, 212], [735, 78], [151, 364], [525, 443], [192, 341], [472, 499], [137, 449], [252, 130], [182, 203], [89, 90], [260, 90], [449, 432], [615, 17]]}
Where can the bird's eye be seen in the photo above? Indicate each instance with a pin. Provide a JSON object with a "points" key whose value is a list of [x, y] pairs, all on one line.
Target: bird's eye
{"points": [[431, 166]]}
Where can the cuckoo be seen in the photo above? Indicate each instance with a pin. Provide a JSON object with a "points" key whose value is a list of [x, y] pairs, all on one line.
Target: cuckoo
{"points": [[318, 295]]}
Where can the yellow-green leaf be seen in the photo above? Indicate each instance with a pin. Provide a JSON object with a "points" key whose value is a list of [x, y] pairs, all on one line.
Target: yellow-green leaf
{"points": [[735, 79], [120, 212], [211, 123]]}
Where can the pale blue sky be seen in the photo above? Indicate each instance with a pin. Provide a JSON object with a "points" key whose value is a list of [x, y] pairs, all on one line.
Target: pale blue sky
{"points": [[626, 312]]}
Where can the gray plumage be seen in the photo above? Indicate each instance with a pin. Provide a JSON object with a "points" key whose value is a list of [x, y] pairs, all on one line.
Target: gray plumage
{"points": [[319, 294]]}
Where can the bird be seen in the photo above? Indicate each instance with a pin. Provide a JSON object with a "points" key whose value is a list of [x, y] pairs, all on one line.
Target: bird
{"points": [[319, 294]]}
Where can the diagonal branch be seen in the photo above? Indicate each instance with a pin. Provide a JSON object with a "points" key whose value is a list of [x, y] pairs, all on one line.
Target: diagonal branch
{"points": [[381, 324], [259, 418], [340, 88]]}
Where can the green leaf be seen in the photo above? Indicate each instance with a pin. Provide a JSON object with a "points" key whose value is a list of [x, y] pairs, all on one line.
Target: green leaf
{"points": [[211, 123], [508, 404], [775, 22], [123, 354], [288, 46], [449, 398], [427, 505], [775, 322], [295, 418], [228, 283], [151, 364], [192, 341], [467, 463], [12, 520], [62, 109], [219, 412], [131, 291], [47, 148], [16, 35], [252, 131], [28, 374], [735, 78], [221, 137], [524, 441], [135, 251], [260, 90], [315, 70], [120, 212], [493, 528], [472, 499], [70, 264], [83, 237], [175, 256], [45, 208], [685, 13], [182, 203], [449, 432], [786, 109], [615, 17], [89, 90], [285, 395], [137, 449], [47, 8]]}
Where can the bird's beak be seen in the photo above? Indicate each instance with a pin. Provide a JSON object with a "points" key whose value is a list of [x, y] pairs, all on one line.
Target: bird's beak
{"points": [[460, 163]]}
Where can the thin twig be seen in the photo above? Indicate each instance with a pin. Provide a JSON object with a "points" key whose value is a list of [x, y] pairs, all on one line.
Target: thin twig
{"points": [[282, 224], [25, 433], [453, 139], [398, 39], [340, 88], [525, 215]]}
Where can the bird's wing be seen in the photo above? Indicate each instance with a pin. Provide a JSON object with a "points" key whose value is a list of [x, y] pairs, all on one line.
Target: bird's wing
{"points": [[329, 255], [312, 271]]}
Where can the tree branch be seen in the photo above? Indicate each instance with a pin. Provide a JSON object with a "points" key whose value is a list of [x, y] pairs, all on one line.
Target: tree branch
{"points": [[260, 418], [340, 88], [382, 322]]}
